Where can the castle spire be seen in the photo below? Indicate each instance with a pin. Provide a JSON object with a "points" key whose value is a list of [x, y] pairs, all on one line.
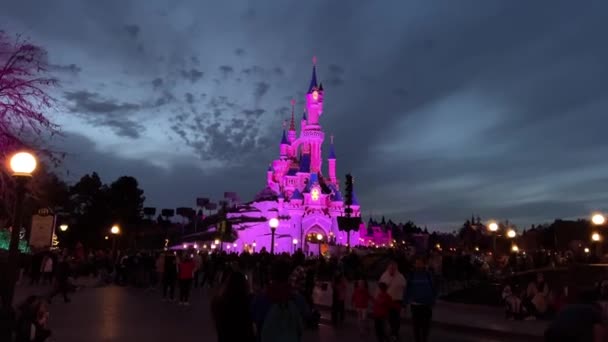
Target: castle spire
{"points": [[313, 80], [332, 152], [292, 125]]}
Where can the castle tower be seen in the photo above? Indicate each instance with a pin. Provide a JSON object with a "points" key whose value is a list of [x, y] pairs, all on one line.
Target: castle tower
{"points": [[269, 175], [331, 160], [312, 132], [284, 150]]}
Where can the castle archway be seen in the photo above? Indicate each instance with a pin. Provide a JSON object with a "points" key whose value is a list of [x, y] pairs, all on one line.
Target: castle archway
{"points": [[315, 238]]}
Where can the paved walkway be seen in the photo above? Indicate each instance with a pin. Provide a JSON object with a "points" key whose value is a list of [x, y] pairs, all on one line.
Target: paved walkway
{"points": [[117, 314], [463, 317]]}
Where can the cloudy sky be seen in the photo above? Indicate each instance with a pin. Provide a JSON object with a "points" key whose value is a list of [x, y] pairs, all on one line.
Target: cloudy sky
{"points": [[440, 109]]}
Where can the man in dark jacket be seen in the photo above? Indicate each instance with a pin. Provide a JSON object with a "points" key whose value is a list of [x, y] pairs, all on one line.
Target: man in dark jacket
{"points": [[62, 274]]}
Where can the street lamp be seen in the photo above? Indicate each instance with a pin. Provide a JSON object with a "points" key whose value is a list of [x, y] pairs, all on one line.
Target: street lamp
{"points": [[515, 249], [115, 230], [493, 227], [511, 233], [598, 219], [22, 165], [596, 237], [63, 227], [274, 224], [295, 244]]}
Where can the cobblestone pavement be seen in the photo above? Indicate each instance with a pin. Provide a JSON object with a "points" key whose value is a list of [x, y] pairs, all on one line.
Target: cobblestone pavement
{"points": [[120, 314]]}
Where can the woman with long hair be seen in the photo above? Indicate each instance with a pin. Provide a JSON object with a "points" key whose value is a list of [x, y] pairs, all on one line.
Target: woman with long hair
{"points": [[231, 310]]}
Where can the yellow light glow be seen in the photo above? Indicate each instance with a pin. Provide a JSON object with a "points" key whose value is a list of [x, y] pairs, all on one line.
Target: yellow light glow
{"points": [[217, 241], [319, 237], [115, 229], [493, 226], [63, 227], [105, 237], [315, 95], [23, 164], [314, 194], [511, 233], [515, 248], [596, 237], [586, 250], [598, 219]]}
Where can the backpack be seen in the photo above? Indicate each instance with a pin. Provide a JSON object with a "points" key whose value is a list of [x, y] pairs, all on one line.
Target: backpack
{"points": [[282, 323]]}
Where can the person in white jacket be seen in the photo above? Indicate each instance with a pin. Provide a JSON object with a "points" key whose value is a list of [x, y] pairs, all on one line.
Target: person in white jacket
{"points": [[395, 282]]}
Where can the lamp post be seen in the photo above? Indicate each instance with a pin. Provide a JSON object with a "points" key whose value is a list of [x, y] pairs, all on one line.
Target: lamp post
{"points": [[115, 230], [274, 224], [22, 165], [493, 227], [295, 244]]}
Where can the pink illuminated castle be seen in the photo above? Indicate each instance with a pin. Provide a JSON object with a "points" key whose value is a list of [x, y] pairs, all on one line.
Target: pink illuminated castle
{"points": [[305, 198]]}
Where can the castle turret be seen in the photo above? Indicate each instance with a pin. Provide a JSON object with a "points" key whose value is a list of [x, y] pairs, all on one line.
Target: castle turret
{"points": [[269, 175], [284, 145], [312, 133], [304, 121], [331, 160]]}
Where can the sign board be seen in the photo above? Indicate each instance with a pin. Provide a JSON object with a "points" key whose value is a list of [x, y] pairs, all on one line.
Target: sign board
{"points": [[42, 231]]}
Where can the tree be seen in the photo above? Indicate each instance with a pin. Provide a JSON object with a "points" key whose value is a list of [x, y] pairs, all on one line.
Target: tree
{"points": [[24, 99], [126, 201], [89, 209]]}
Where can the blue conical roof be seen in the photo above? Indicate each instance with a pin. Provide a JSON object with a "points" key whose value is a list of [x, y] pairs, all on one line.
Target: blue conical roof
{"points": [[284, 140], [297, 195], [355, 201], [305, 163], [313, 80]]}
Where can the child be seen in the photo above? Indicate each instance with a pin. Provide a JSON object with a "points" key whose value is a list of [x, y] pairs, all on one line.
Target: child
{"points": [[360, 302], [382, 305], [512, 303]]}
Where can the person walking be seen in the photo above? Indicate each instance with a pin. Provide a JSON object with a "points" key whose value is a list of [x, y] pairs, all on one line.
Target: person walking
{"points": [[420, 294], [382, 306], [395, 282], [231, 311], [186, 274], [361, 299], [62, 274], [47, 270], [169, 276]]}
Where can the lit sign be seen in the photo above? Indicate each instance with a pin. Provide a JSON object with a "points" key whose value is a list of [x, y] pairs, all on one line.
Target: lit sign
{"points": [[314, 194]]}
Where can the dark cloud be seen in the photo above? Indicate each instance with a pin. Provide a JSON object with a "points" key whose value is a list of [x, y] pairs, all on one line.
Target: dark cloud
{"points": [[165, 98], [103, 112], [261, 88], [157, 83], [278, 71], [70, 68], [335, 69], [253, 112], [192, 75], [189, 98], [226, 70], [132, 30], [239, 52]]}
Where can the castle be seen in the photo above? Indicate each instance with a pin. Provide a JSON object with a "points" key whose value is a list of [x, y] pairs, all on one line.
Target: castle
{"points": [[306, 200]]}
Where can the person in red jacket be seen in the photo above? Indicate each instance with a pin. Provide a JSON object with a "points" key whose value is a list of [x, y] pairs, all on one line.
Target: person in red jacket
{"points": [[361, 300], [382, 305], [186, 274]]}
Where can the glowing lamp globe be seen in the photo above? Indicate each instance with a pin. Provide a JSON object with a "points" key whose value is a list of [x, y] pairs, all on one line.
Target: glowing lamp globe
{"points": [[598, 219], [105, 237], [586, 250], [63, 227], [515, 249], [185, 246], [115, 230], [23, 164], [254, 244], [295, 241], [319, 237], [511, 233], [217, 242], [195, 246], [234, 245], [595, 237], [273, 223], [493, 226]]}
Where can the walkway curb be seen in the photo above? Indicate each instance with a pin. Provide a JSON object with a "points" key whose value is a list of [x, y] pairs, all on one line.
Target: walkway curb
{"points": [[486, 331]]}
